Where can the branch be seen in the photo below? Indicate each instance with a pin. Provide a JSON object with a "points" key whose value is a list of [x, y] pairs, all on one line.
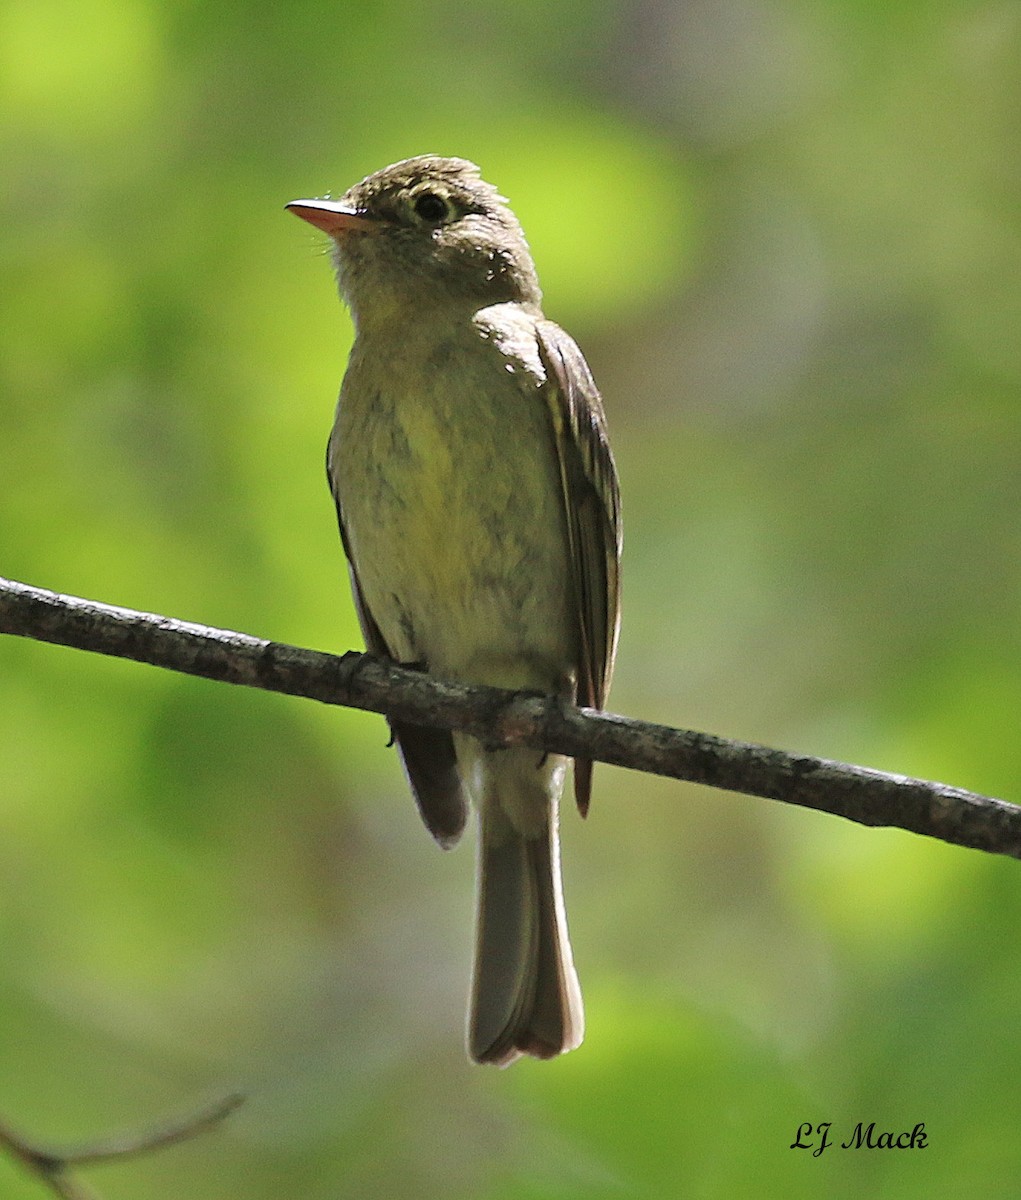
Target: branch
{"points": [[502, 718], [52, 1166]]}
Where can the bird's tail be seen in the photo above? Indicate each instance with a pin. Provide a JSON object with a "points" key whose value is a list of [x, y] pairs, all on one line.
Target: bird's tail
{"points": [[525, 993]]}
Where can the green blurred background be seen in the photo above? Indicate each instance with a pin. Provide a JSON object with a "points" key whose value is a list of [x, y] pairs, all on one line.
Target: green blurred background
{"points": [[788, 238]]}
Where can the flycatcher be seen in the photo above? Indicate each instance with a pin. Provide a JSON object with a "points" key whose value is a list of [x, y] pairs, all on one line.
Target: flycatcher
{"points": [[480, 516]]}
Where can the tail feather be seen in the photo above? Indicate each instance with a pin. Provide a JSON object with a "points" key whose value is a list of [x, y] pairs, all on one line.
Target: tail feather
{"points": [[557, 1022], [525, 993]]}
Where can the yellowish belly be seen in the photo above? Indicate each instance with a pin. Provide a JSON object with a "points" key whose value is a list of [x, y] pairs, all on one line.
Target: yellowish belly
{"points": [[452, 506]]}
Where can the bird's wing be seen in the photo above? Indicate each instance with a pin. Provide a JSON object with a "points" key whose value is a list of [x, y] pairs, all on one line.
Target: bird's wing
{"points": [[427, 753], [591, 496]]}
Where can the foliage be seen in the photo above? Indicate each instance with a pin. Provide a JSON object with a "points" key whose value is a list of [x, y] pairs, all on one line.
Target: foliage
{"points": [[786, 236]]}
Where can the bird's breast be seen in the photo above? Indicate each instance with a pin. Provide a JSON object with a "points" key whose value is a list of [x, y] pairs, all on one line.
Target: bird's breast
{"points": [[449, 488]]}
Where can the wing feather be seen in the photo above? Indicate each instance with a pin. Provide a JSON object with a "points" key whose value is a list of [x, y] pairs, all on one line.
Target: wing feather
{"points": [[591, 496]]}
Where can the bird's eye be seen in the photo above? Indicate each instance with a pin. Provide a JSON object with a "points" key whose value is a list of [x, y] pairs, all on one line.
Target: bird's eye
{"points": [[431, 208]]}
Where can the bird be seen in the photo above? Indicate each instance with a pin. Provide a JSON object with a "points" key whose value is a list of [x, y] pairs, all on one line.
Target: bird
{"points": [[479, 511]]}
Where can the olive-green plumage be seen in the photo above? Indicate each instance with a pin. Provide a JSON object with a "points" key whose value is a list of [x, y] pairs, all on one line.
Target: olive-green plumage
{"points": [[479, 510]]}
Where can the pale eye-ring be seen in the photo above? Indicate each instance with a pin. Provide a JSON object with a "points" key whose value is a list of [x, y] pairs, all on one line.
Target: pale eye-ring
{"points": [[431, 207]]}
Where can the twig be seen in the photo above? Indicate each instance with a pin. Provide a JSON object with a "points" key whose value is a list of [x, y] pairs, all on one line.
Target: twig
{"points": [[52, 1165], [503, 718]]}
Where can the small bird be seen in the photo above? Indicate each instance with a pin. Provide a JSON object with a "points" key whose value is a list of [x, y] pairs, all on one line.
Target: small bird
{"points": [[480, 515]]}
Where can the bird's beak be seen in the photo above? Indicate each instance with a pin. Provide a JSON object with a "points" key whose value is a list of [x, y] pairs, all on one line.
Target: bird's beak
{"points": [[331, 216]]}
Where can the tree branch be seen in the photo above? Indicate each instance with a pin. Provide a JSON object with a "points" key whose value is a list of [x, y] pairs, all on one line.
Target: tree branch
{"points": [[52, 1165], [503, 718]]}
